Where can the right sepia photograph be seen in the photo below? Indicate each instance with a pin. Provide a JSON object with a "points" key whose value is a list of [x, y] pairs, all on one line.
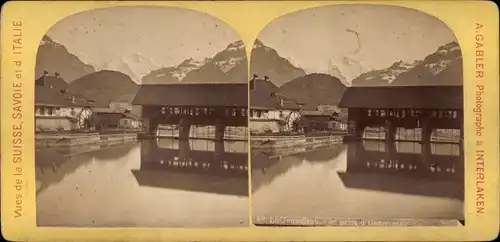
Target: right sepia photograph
{"points": [[356, 119]]}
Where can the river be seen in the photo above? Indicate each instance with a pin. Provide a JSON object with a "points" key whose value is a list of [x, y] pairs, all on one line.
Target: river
{"points": [[365, 180], [151, 183]]}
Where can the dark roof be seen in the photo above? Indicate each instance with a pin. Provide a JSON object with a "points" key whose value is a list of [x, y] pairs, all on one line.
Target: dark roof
{"points": [[45, 96], [318, 113], [109, 110], [51, 81], [123, 111], [229, 95], [131, 116], [266, 95], [439, 97]]}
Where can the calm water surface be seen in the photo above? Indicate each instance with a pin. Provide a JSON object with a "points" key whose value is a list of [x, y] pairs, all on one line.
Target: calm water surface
{"points": [[154, 183], [368, 180]]}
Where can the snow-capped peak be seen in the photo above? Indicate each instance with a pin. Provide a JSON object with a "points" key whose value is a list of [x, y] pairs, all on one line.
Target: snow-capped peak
{"points": [[238, 45], [227, 65], [258, 44], [45, 40], [192, 63], [396, 69], [437, 67], [450, 47], [442, 58], [181, 70], [404, 65]]}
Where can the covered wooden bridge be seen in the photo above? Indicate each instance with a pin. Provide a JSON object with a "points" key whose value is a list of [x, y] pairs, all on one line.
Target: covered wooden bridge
{"points": [[410, 107], [218, 105]]}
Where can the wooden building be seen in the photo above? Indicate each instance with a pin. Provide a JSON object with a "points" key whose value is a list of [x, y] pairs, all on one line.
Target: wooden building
{"points": [[314, 121], [114, 118], [270, 110], [206, 104], [411, 107]]}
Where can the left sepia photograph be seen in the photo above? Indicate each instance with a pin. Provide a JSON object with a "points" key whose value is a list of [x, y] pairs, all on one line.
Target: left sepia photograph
{"points": [[141, 121]]}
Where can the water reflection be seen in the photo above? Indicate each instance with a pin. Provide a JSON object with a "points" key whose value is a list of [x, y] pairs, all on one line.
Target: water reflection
{"points": [[213, 167], [154, 183], [370, 180], [53, 165], [401, 169]]}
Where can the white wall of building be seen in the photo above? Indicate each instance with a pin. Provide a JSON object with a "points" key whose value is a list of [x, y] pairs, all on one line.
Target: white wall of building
{"points": [[55, 118], [274, 120]]}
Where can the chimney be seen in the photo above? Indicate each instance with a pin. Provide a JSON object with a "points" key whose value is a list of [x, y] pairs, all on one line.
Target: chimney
{"points": [[266, 78], [56, 74], [252, 82], [45, 73]]}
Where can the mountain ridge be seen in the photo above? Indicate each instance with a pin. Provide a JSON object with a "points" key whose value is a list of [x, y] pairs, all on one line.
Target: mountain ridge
{"points": [[117, 87], [442, 67], [315, 89], [54, 57]]}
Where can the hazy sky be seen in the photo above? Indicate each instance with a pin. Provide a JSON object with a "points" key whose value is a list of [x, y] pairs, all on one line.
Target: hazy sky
{"points": [[141, 38], [314, 38]]}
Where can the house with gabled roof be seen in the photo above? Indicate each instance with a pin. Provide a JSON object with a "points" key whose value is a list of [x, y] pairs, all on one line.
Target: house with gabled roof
{"points": [[116, 117], [270, 109], [58, 110]]}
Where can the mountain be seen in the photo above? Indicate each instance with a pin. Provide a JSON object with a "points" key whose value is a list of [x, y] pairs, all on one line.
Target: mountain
{"points": [[135, 66], [443, 67], [105, 86], [266, 61], [54, 57], [334, 71], [384, 76], [315, 89], [229, 65]]}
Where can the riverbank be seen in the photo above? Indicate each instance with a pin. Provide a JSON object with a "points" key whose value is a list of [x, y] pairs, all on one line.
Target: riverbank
{"points": [[48, 140]]}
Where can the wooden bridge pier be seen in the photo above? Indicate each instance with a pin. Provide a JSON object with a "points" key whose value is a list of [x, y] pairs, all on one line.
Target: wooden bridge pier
{"points": [[426, 131], [390, 131], [184, 128], [184, 149], [219, 130], [153, 127]]}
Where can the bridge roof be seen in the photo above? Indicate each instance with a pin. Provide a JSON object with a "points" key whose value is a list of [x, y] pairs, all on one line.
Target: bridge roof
{"points": [[425, 97], [199, 95]]}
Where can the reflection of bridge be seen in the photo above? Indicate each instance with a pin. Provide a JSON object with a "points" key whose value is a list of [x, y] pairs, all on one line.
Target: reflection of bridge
{"points": [[428, 174], [411, 107], [180, 167], [218, 105]]}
